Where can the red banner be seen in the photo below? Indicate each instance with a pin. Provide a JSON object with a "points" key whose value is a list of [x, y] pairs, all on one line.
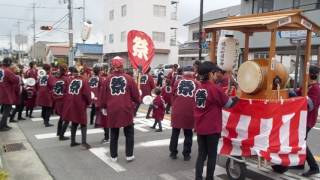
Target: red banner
{"points": [[275, 131], [140, 49]]}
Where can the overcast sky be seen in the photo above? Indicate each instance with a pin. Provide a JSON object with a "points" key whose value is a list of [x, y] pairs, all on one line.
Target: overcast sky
{"points": [[50, 11]]}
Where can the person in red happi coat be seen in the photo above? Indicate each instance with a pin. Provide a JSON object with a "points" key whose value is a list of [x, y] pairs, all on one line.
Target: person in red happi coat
{"points": [[209, 101], [30, 100], [166, 93], [59, 91], [32, 72], [182, 114], [146, 86], [101, 119], [44, 94], [8, 85], [158, 106], [94, 83], [117, 97], [76, 101]]}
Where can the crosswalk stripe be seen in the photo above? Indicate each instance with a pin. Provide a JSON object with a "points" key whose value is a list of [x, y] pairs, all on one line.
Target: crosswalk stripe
{"points": [[68, 133], [101, 154], [140, 127], [167, 177], [41, 119]]}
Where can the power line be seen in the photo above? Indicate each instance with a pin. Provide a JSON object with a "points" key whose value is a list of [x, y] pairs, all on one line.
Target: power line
{"points": [[21, 19], [30, 7]]}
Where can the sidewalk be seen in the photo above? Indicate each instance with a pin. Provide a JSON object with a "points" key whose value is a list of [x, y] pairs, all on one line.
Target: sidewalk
{"points": [[23, 164]]}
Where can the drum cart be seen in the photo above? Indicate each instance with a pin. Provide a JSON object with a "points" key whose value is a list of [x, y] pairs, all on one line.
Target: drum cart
{"points": [[272, 22]]}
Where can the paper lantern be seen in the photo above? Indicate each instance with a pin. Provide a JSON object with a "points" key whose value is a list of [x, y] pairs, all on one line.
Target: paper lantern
{"points": [[228, 53], [86, 30]]}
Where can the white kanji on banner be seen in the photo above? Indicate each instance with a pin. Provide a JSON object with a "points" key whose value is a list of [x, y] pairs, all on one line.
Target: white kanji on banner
{"points": [[140, 48]]}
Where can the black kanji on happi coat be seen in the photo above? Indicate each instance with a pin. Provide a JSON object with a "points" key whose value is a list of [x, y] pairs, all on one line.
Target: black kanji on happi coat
{"points": [[201, 97], [118, 85], [1, 75], [43, 81], [186, 88], [94, 82], [75, 86], [143, 79], [168, 89], [58, 88]]}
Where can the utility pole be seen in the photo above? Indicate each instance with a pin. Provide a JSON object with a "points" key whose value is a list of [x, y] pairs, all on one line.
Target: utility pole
{"points": [[200, 30], [84, 11], [10, 36], [19, 41], [71, 56], [34, 29]]}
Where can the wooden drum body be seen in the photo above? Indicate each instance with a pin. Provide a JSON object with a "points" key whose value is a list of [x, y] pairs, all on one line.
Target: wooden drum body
{"points": [[252, 80]]}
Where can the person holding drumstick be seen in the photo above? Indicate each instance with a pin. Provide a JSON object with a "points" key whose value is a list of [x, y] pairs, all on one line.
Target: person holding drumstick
{"points": [[209, 100]]}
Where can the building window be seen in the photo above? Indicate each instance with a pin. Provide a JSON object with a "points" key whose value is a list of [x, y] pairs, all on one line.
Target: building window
{"points": [[123, 10], [123, 36], [261, 6], [111, 15], [111, 39], [159, 36], [159, 11], [195, 36]]}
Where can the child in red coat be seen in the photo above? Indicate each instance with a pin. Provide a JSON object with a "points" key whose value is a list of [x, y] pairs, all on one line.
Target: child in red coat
{"points": [[158, 108]]}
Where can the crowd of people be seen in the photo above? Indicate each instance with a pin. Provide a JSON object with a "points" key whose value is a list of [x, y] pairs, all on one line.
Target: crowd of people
{"points": [[194, 99]]}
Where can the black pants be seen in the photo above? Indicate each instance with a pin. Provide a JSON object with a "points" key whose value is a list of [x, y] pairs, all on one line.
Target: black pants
{"points": [[106, 133], [129, 134], [207, 148], [62, 127], [157, 122], [74, 127], [136, 110], [92, 113], [19, 108], [149, 110], [45, 114], [310, 159], [187, 141], [168, 106], [29, 112], [5, 115]]}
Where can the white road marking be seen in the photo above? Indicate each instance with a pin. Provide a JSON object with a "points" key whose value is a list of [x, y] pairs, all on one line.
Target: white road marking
{"points": [[167, 177], [316, 128], [34, 111], [101, 154], [40, 119], [150, 122], [157, 143], [140, 127], [68, 133]]}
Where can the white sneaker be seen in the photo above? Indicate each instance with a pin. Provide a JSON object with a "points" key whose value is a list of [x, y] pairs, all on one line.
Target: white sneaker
{"points": [[114, 159], [130, 159], [105, 141]]}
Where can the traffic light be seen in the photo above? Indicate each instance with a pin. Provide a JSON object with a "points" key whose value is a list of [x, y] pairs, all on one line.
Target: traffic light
{"points": [[46, 28]]}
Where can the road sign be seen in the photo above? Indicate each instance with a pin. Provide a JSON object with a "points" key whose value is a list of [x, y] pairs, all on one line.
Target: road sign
{"points": [[301, 34]]}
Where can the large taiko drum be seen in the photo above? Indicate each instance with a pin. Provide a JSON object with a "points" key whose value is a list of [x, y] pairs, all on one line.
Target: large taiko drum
{"points": [[252, 76]]}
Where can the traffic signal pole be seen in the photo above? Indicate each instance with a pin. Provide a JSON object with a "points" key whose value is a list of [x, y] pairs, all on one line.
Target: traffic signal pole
{"points": [[200, 30]]}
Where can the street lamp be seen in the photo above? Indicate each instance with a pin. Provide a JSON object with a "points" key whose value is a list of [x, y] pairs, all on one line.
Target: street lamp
{"points": [[200, 30]]}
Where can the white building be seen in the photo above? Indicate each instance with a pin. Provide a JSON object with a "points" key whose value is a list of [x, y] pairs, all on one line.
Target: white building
{"points": [[157, 18]]}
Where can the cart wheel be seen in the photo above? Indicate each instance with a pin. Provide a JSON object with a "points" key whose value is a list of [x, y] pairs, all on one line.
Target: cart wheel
{"points": [[279, 169], [236, 170]]}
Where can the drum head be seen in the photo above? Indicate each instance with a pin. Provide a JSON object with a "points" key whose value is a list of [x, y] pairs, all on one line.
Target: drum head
{"points": [[250, 77], [30, 82]]}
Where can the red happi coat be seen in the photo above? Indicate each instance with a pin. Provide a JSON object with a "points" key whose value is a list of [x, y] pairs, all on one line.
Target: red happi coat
{"points": [[95, 84], [117, 95], [8, 85], [183, 103], [58, 93], [158, 108], [146, 84], [17, 91], [32, 73], [166, 93], [76, 101], [101, 119], [44, 87], [30, 100]]}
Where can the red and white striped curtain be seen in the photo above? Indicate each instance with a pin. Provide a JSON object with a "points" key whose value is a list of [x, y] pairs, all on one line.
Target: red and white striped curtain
{"points": [[274, 130]]}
